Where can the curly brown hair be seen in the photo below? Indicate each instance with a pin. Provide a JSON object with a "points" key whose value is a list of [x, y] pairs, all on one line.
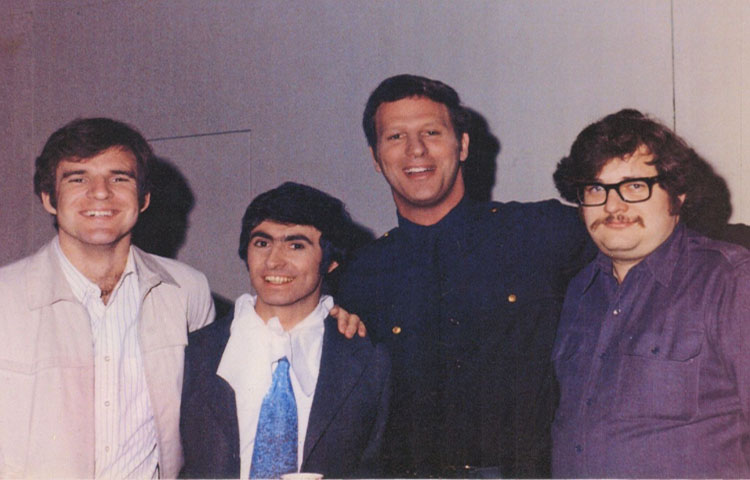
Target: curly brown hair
{"points": [[682, 171]]}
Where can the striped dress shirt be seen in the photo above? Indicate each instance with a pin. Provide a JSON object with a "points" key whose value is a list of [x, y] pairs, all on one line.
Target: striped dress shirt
{"points": [[125, 430]]}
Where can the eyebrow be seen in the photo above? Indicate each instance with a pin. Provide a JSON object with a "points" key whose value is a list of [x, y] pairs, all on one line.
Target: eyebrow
{"points": [[297, 237], [70, 173], [624, 179], [289, 238], [127, 173]]}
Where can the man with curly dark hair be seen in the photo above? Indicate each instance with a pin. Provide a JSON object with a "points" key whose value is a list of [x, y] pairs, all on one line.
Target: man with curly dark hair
{"points": [[651, 349]]}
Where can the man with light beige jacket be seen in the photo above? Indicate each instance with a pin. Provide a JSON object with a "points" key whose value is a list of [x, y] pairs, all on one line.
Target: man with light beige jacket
{"points": [[92, 329]]}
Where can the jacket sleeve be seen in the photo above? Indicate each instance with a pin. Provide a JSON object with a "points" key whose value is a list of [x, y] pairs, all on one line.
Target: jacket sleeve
{"points": [[200, 307], [574, 242]]}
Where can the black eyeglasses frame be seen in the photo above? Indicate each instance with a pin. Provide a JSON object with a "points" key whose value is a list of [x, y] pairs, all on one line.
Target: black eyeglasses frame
{"points": [[649, 181]]}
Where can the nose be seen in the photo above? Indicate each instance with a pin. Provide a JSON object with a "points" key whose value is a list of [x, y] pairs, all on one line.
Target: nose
{"points": [[415, 146], [99, 188], [276, 257], [614, 203]]}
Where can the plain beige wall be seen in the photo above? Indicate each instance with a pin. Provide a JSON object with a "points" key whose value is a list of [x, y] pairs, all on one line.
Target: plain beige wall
{"points": [[297, 75]]}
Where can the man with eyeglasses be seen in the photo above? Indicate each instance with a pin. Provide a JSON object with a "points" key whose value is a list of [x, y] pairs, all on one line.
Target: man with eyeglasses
{"points": [[652, 349]]}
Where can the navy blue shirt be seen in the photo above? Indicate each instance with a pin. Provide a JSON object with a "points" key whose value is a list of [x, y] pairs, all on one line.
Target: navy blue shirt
{"points": [[655, 372], [469, 308]]}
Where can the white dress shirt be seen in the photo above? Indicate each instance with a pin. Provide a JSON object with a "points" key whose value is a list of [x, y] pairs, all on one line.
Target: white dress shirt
{"points": [[124, 422], [250, 357]]}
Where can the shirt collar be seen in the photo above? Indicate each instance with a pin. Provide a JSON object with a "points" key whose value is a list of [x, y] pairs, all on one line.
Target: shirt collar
{"points": [[660, 263], [255, 345], [83, 288], [663, 261]]}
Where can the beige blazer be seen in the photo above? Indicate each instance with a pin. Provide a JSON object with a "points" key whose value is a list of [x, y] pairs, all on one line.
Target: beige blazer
{"points": [[47, 362]]}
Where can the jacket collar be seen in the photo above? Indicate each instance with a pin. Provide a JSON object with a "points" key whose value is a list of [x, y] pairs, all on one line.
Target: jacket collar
{"points": [[341, 366], [46, 283], [456, 231], [455, 220]]}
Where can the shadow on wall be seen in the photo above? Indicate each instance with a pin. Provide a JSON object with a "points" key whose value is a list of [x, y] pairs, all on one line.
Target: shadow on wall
{"points": [[162, 228], [481, 164], [358, 236]]}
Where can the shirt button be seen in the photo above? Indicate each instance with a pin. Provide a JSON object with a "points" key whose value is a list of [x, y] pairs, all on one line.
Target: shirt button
{"points": [[458, 363], [493, 210], [396, 330], [106, 359], [106, 449], [106, 403], [512, 298], [454, 321], [579, 449], [385, 234], [616, 311]]}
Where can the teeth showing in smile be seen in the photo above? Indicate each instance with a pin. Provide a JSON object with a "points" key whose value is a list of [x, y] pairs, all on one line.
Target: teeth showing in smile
{"points": [[98, 213], [277, 280], [417, 170]]}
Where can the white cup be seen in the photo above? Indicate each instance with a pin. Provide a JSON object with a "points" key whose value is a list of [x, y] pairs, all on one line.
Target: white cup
{"points": [[302, 476]]}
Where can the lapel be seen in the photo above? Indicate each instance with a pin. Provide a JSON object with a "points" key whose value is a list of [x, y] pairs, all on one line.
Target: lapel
{"points": [[218, 402], [223, 409], [341, 367], [223, 404]]}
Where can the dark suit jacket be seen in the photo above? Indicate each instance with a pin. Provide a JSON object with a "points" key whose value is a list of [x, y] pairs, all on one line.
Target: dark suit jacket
{"points": [[347, 419]]}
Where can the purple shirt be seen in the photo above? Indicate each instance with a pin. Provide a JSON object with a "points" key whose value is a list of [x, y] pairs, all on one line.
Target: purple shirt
{"points": [[655, 373]]}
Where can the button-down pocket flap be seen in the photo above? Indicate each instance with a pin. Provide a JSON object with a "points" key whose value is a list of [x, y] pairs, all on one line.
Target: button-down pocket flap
{"points": [[672, 345], [658, 377]]}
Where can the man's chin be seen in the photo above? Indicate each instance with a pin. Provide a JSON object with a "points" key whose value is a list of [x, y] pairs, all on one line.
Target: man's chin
{"points": [[617, 248]]}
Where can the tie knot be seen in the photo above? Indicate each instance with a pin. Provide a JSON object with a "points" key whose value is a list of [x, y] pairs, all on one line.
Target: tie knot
{"points": [[283, 363]]}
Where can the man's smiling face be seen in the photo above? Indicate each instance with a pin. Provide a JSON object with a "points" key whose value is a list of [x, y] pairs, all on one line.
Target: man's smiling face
{"points": [[96, 202], [284, 265], [628, 232], [420, 155]]}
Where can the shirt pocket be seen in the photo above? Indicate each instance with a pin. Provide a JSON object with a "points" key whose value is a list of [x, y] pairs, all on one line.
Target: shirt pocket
{"points": [[658, 375]]}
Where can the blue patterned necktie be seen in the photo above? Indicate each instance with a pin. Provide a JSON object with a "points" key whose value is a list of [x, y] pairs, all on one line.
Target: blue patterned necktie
{"points": [[275, 449]]}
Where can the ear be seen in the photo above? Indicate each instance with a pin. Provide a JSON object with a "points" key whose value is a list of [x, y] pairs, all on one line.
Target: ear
{"points": [[375, 161], [464, 151], [146, 202], [47, 204], [334, 264]]}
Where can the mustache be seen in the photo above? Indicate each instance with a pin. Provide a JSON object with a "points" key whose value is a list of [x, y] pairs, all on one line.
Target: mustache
{"points": [[617, 219]]}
